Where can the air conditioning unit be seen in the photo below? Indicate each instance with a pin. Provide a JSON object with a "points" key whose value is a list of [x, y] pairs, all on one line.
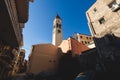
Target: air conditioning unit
{"points": [[115, 7]]}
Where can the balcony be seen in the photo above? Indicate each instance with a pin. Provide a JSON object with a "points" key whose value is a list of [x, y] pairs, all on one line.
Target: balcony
{"points": [[22, 10]]}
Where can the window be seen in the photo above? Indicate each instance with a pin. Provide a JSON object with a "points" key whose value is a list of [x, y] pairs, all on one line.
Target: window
{"points": [[82, 42], [114, 6], [102, 20], [95, 9], [90, 38], [80, 36], [59, 25], [59, 31], [86, 37]]}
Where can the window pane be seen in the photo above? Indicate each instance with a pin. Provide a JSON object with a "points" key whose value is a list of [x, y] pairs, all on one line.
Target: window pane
{"points": [[102, 20]]}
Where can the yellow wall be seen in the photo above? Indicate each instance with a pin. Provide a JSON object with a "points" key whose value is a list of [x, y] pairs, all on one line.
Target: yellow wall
{"points": [[44, 57]]}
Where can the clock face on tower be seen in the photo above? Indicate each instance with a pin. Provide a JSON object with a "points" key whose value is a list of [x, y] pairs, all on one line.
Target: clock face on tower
{"points": [[59, 31]]}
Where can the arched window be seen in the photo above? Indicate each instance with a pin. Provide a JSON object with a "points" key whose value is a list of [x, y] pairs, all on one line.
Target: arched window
{"points": [[59, 25]]}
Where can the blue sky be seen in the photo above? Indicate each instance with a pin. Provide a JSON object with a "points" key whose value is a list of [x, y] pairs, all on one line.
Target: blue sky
{"points": [[39, 27]]}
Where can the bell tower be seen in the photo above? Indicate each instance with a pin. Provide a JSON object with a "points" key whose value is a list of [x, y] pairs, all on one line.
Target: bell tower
{"points": [[57, 31]]}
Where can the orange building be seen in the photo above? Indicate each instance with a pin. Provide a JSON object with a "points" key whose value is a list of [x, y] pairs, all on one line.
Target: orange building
{"points": [[71, 44], [45, 57], [84, 39]]}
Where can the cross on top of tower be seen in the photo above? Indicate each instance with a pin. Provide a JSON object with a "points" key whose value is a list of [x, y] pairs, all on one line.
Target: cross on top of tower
{"points": [[57, 16]]}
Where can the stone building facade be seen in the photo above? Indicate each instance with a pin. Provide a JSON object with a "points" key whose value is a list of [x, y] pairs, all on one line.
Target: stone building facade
{"points": [[13, 16], [103, 17], [104, 23], [84, 39]]}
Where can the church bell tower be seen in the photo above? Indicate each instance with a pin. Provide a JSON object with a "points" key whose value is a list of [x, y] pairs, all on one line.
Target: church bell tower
{"points": [[57, 31]]}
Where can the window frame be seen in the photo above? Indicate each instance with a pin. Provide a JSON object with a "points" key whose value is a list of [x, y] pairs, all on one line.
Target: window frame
{"points": [[102, 20], [114, 5]]}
